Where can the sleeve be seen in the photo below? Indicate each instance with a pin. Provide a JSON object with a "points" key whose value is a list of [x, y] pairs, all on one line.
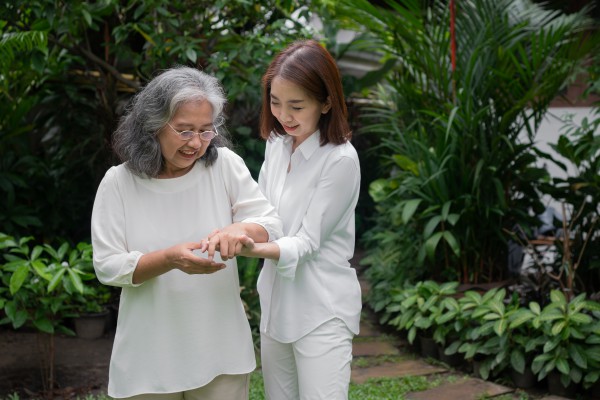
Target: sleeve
{"points": [[113, 263], [333, 201], [263, 177], [248, 203]]}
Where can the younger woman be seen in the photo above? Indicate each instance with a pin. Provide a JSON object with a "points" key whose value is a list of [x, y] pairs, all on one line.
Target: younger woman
{"points": [[309, 294]]}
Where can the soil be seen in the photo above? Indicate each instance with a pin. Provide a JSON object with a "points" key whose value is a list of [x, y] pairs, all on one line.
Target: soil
{"points": [[80, 365]]}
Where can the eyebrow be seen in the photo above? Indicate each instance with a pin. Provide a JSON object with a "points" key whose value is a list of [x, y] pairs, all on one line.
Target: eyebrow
{"points": [[290, 101], [190, 125]]}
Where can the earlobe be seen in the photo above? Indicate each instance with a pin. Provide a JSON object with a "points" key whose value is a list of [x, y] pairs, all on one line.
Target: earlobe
{"points": [[326, 106]]}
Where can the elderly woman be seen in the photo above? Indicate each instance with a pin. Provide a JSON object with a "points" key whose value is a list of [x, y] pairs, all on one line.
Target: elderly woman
{"points": [[182, 331]]}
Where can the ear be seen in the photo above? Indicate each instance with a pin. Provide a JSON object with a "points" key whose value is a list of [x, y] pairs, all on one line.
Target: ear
{"points": [[326, 106]]}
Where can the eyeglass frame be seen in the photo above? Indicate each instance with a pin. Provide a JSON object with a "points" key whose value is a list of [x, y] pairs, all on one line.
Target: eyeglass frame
{"points": [[180, 133]]}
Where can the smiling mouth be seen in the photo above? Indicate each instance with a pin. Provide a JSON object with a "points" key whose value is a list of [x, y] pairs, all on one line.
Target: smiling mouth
{"points": [[289, 128], [188, 153]]}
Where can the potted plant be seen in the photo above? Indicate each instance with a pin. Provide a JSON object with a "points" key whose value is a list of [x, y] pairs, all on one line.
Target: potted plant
{"points": [[483, 338], [523, 342], [568, 330], [418, 309], [90, 301], [449, 325], [42, 282]]}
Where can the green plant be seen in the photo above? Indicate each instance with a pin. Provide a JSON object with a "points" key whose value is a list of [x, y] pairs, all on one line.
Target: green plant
{"points": [[483, 337], [524, 338], [459, 168], [248, 271], [42, 282], [572, 339], [417, 308]]}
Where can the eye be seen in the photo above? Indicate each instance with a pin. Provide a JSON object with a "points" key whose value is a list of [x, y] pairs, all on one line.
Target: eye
{"points": [[187, 134], [296, 108], [274, 103]]}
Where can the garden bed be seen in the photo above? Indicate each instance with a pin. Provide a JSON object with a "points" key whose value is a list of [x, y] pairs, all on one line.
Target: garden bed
{"points": [[81, 365]]}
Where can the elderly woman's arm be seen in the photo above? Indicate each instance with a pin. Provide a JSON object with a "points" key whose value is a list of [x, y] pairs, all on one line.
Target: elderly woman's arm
{"points": [[178, 257]]}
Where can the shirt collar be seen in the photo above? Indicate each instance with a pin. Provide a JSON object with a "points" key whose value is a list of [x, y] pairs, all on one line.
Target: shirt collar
{"points": [[309, 146]]}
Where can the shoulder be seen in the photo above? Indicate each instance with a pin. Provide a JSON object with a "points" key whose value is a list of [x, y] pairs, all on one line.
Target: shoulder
{"points": [[342, 151], [227, 155], [229, 161], [117, 172]]}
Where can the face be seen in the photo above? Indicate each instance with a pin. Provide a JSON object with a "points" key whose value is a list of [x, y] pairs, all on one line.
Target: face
{"points": [[180, 155], [295, 110]]}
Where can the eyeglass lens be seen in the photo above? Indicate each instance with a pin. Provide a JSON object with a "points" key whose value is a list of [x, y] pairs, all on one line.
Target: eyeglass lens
{"points": [[206, 135]]}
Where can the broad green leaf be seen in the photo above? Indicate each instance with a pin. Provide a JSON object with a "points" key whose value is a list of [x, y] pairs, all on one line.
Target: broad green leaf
{"points": [[410, 207], [76, 280], [44, 325], [18, 278], [431, 244], [41, 270], [517, 361], [452, 242], [56, 279]]}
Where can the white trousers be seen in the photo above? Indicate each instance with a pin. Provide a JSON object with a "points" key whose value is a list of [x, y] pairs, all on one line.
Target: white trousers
{"points": [[315, 367]]}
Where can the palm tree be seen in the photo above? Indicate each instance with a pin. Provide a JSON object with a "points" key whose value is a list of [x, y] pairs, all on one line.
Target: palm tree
{"points": [[458, 127]]}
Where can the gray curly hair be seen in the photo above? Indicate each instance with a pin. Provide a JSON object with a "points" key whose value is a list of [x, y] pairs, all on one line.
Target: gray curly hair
{"points": [[136, 139]]}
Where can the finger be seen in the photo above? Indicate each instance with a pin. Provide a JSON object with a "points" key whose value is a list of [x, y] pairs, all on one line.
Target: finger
{"points": [[246, 240], [213, 233], [203, 245], [238, 248], [214, 268], [234, 249], [224, 250], [212, 247]]}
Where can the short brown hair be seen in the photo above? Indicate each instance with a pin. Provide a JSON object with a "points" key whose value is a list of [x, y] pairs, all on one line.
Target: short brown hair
{"points": [[309, 65]]}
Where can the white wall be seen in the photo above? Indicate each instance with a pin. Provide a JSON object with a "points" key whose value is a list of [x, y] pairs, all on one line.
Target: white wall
{"points": [[548, 132]]}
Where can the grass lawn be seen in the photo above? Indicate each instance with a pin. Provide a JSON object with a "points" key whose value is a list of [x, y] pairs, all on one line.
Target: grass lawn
{"points": [[374, 389]]}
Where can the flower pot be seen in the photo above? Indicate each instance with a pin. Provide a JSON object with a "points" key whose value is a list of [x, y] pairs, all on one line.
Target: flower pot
{"points": [[91, 326], [555, 386], [429, 347], [524, 380], [595, 391], [451, 360]]}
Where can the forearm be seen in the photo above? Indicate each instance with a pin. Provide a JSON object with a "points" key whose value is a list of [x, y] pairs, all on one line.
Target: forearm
{"points": [[151, 265], [255, 231], [268, 250]]}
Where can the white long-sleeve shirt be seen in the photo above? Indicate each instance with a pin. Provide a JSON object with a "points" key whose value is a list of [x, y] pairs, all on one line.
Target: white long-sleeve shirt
{"points": [[177, 331], [313, 281]]}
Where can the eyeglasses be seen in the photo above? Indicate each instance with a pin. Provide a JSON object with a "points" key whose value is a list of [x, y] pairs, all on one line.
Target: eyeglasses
{"points": [[188, 135]]}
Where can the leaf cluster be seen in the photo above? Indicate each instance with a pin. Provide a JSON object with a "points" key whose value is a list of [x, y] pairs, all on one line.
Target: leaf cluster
{"points": [[43, 286]]}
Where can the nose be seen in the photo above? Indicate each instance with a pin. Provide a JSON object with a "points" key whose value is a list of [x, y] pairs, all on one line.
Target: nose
{"points": [[285, 116], [195, 141]]}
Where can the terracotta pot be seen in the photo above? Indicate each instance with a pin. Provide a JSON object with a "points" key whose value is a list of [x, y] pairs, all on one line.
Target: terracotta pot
{"points": [[91, 326]]}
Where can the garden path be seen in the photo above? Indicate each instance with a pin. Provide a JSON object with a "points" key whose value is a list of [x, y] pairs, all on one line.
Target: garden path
{"points": [[379, 353]]}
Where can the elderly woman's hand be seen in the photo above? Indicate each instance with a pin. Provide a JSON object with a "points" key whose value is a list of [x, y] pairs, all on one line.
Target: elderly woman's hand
{"points": [[183, 258]]}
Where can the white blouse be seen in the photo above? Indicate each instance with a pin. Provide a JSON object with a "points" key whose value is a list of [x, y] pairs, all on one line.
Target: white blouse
{"points": [[313, 281], [177, 331]]}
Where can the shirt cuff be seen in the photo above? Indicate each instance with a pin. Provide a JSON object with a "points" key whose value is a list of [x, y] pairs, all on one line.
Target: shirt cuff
{"points": [[271, 225], [288, 258]]}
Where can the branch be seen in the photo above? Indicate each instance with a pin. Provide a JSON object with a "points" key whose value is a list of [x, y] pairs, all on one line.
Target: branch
{"points": [[92, 57]]}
